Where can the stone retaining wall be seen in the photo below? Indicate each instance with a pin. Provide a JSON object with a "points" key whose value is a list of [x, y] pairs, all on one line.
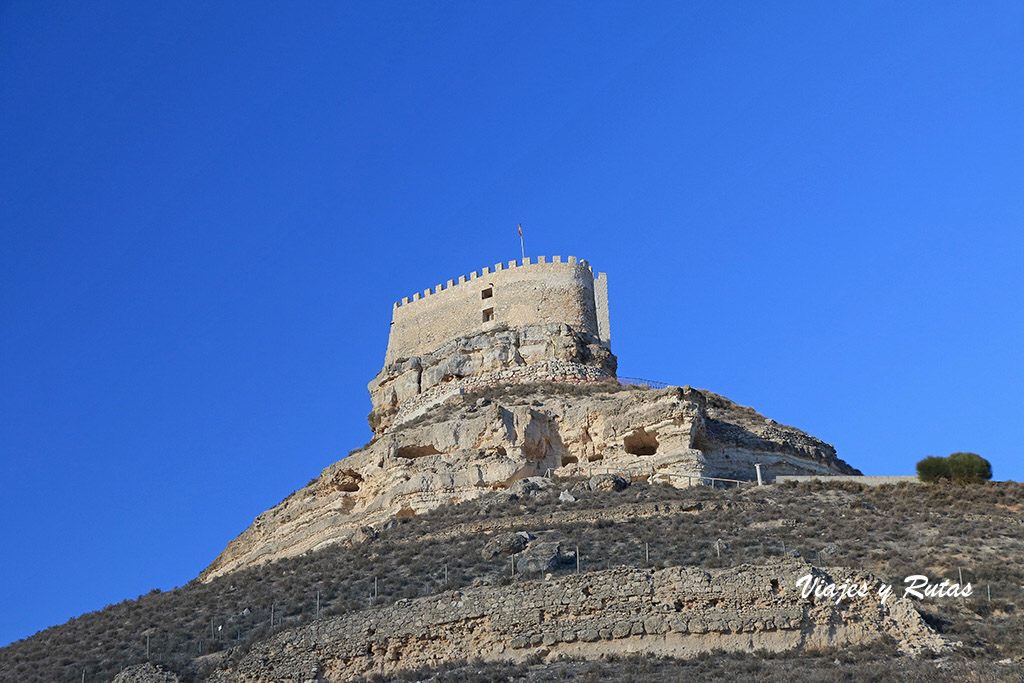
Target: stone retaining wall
{"points": [[679, 611], [867, 481]]}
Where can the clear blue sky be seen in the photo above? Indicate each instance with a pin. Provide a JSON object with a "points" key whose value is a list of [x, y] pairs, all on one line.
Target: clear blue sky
{"points": [[207, 210]]}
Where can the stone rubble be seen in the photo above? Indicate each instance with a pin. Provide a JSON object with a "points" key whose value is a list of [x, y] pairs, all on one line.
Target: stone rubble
{"points": [[145, 673]]}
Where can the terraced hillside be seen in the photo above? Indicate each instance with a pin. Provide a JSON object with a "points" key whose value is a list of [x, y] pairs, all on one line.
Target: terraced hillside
{"points": [[890, 531]]}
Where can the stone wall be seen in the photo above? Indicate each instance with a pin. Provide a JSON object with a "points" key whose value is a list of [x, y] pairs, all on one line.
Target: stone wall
{"points": [[678, 611], [516, 294], [866, 480]]}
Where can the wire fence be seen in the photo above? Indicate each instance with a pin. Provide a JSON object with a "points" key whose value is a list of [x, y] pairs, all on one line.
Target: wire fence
{"points": [[378, 589], [649, 474], [280, 615]]}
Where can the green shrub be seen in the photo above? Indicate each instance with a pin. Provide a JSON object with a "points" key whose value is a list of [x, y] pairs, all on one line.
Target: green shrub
{"points": [[933, 469], [969, 468], [963, 468]]}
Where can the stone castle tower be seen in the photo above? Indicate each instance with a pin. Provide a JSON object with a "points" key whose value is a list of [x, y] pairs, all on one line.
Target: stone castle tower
{"points": [[532, 323], [521, 322]]}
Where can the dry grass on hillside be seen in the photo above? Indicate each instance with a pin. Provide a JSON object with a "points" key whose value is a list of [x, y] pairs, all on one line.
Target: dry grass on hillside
{"points": [[892, 531]]}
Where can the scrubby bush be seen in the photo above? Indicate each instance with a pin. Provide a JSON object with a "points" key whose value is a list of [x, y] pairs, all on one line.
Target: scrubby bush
{"points": [[933, 469], [963, 468], [969, 468]]}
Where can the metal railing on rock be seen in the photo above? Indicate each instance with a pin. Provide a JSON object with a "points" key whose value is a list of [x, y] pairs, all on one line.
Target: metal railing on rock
{"points": [[640, 382], [650, 473]]}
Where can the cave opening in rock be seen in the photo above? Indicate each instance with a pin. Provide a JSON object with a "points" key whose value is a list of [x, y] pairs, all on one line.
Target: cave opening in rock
{"points": [[347, 480], [641, 442], [416, 451]]}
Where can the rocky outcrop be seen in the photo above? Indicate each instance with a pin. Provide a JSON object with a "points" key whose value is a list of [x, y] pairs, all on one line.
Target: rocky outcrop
{"points": [[145, 673], [679, 611], [496, 436], [409, 387]]}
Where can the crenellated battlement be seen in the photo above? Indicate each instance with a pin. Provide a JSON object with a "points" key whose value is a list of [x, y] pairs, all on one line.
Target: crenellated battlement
{"points": [[571, 261], [515, 293]]}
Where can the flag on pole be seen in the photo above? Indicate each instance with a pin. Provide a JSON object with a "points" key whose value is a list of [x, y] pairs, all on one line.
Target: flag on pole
{"points": [[520, 229]]}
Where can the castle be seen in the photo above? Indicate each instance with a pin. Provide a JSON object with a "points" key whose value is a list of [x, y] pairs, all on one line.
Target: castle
{"points": [[518, 294], [524, 321], [473, 397]]}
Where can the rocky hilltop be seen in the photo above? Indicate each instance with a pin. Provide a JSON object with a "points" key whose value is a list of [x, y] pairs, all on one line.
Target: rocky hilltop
{"points": [[501, 389], [488, 437], [512, 377]]}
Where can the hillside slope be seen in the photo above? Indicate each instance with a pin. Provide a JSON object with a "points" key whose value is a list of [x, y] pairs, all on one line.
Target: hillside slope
{"points": [[891, 532]]}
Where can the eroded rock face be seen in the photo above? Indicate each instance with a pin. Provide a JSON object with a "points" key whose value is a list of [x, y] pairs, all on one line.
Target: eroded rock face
{"points": [[478, 442], [408, 387], [678, 611]]}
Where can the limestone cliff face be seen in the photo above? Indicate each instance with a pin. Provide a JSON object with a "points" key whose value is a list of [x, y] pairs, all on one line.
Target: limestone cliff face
{"points": [[677, 611], [408, 387], [478, 441]]}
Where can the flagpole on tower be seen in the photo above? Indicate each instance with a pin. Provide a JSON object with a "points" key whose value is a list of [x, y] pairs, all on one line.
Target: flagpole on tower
{"points": [[521, 248]]}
